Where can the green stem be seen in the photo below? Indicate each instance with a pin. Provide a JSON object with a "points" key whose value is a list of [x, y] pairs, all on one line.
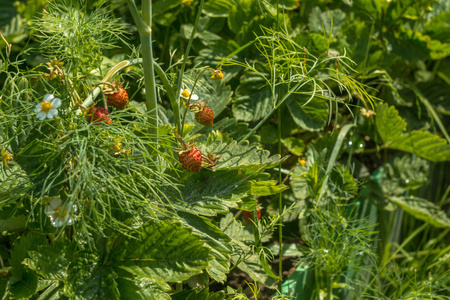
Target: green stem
{"points": [[143, 24], [189, 101], [186, 54]]}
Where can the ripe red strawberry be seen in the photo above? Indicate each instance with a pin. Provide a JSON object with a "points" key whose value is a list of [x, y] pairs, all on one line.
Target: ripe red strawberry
{"points": [[118, 99], [248, 215], [205, 116], [98, 115], [191, 160]]}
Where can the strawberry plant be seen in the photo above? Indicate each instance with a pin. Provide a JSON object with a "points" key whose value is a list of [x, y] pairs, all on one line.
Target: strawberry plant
{"points": [[224, 149]]}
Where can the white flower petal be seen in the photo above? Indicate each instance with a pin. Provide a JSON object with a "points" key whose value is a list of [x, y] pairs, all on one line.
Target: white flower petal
{"points": [[51, 113], [194, 97], [48, 97], [69, 222], [38, 108], [56, 103], [53, 204], [41, 115], [57, 222]]}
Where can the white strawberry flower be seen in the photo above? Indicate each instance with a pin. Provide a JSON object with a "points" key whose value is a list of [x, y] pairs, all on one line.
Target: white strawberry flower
{"points": [[48, 107], [186, 94], [60, 214]]}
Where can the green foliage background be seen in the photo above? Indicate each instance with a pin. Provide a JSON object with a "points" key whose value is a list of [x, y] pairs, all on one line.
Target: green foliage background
{"points": [[332, 116]]}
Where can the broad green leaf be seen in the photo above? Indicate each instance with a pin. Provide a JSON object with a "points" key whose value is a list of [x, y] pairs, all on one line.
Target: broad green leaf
{"points": [[198, 295], [26, 286], [316, 43], [240, 239], [423, 210], [308, 115], [239, 14], [389, 124], [423, 144], [240, 156], [143, 288], [404, 173], [88, 278], [266, 188], [439, 27], [217, 8], [19, 252], [13, 223], [161, 250], [318, 20], [214, 238], [295, 145], [409, 45], [211, 193], [254, 98], [51, 262], [228, 127]]}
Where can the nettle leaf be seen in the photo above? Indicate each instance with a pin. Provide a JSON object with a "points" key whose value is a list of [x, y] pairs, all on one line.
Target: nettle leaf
{"points": [[24, 281], [254, 98], [162, 250], [310, 115], [88, 278], [217, 8], [423, 210], [142, 288], [198, 295], [211, 193], [409, 45], [229, 127], [403, 174], [51, 262], [240, 156], [424, 144], [389, 124], [214, 238], [266, 188], [240, 237]]}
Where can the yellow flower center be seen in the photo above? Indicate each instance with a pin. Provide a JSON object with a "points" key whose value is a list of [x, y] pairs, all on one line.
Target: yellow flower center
{"points": [[59, 212], [46, 106], [185, 93]]}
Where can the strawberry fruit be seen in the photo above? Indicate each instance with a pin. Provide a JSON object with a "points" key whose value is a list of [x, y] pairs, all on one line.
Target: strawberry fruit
{"points": [[205, 116], [191, 160], [98, 115], [118, 98], [248, 215]]}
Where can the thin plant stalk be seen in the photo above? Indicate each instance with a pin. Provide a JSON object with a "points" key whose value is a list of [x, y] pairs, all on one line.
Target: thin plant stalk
{"points": [[145, 32], [186, 54]]}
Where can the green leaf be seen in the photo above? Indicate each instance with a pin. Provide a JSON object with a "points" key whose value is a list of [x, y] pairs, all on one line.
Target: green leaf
{"points": [[423, 144], [439, 27], [161, 250], [198, 295], [308, 115], [423, 210], [51, 262], [26, 286], [403, 174], [240, 156], [254, 98], [142, 288], [211, 193], [295, 145], [409, 45], [266, 188], [318, 20], [389, 124], [217, 8], [87, 278], [214, 238]]}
